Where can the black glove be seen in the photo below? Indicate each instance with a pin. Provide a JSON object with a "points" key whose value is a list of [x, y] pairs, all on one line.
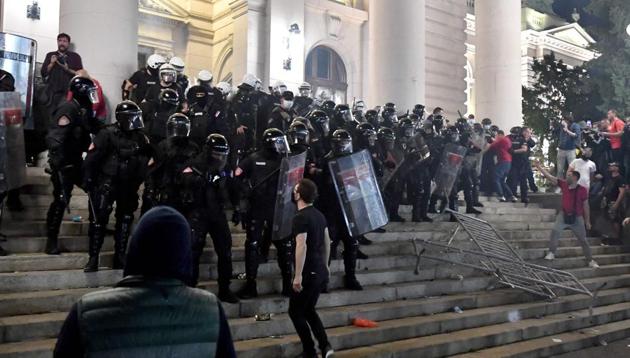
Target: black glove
{"points": [[236, 217]]}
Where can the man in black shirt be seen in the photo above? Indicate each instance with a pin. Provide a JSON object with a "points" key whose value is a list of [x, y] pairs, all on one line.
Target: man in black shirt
{"points": [[59, 68], [614, 193], [312, 245], [135, 88]]}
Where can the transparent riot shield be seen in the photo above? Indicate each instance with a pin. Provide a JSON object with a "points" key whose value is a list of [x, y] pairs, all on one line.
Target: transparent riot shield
{"points": [[450, 166], [358, 192], [291, 172], [17, 56], [12, 156]]}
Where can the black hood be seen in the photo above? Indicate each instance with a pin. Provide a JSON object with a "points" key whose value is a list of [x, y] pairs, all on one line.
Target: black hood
{"points": [[160, 246]]}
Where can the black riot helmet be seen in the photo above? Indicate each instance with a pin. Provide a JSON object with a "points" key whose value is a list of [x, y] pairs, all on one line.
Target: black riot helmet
{"points": [[451, 135], [407, 129], [341, 142], [304, 121], [274, 141], [366, 136], [389, 117], [129, 116], [218, 148], [320, 122], [177, 126], [169, 98], [462, 125], [516, 131], [418, 109], [343, 114], [427, 127], [328, 106], [298, 133], [438, 122], [371, 116], [198, 96], [390, 105], [83, 91], [386, 137]]}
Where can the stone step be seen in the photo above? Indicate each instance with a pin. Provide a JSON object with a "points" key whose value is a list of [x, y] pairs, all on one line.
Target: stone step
{"points": [[44, 280], [503, 225], [495, 218], [573, 341], [75, 260], [494, 208], [464, 340], [39, 214], [25, 244], [43, 201], [47, 325]]}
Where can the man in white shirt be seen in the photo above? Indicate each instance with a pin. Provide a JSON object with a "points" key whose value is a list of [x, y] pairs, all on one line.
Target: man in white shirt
{"points": [[585, 166]]}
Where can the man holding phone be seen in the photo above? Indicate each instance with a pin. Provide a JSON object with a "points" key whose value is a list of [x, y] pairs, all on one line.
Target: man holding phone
{"points": [[58, 69]]}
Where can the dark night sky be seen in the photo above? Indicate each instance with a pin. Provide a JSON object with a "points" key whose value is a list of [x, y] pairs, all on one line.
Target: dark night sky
{"points": [[564, 9]]}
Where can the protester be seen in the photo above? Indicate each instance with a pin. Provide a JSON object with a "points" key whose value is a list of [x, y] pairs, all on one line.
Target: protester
{"points": [[138, 317], [59, 68], [614, 132], [575, 213], [501, 146], [569, 135], [612, 200], [585, 166], [311, 269]]}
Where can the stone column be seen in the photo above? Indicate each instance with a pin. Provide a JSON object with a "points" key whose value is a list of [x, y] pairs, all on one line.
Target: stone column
{"points": [[105, 34], [498, 61], [396, 55]]}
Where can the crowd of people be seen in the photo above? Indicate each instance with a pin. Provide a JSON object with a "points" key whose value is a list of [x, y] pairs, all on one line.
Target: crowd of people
{"points": [[213, 154]]}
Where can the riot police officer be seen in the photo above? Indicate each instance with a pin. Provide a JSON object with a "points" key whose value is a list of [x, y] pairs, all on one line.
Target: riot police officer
{"points": [[328, 106], [165, 183], [389, 116], [258, 173], [283, 114], [520, 160], [205, 116], [303, 103], [182, 79], [135, 88], [204, 79], [157, 115], [341, 142], [243, 114], [319, 140], [468, 178], [343, 119], [371, 116], [209, 176], [168, 79], [67, 140], [114, 168]]}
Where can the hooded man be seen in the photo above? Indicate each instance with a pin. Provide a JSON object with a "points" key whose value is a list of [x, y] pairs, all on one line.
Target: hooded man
{"points": [[159, 263]]}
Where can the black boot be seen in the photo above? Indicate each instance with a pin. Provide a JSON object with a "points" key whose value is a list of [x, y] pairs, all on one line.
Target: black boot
{"points": [[472, 210], [121, 237], [53, 223], [225, 294], [96, 234], [251, 271], [13, 200], [333, 249], [364, 240], [248, 291], [350, 262], [3, 252], [432, 204], [396, 218], [361, 255]]}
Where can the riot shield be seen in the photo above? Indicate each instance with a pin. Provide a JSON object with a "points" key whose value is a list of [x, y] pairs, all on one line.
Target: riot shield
{"points": [[394, 159], [12, 156], [358, 192], [291, 172], [450, 166], [17, 56]]}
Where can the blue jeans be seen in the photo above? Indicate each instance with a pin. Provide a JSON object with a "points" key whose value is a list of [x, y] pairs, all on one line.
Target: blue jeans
{"points": [[500, 175]]}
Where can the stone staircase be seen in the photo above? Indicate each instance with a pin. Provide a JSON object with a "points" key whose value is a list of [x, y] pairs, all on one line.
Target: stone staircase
{"points": [[416, 314]]}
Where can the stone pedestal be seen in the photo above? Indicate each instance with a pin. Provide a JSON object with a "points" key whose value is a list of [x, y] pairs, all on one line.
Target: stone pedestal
{"points": [[105, 34], [396, 55], [498, 61]]}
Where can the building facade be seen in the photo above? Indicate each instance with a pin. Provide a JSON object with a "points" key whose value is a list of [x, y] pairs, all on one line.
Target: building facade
{"points": [[446, 53]]}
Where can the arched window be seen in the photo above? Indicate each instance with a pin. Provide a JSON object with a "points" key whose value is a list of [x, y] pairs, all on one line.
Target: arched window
{"points": [[326, 73]]}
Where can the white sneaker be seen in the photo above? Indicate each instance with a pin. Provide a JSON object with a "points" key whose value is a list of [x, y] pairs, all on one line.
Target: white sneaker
{"points": [[593, 264], [550, 256]]}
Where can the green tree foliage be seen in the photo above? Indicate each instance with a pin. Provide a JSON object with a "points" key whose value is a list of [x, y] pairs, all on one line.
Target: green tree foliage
{"points": [[611, 71], [557, 89]]}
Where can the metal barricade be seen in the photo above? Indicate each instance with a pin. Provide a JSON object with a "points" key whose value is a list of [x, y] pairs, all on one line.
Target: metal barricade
{"points": [[492, 254]]}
